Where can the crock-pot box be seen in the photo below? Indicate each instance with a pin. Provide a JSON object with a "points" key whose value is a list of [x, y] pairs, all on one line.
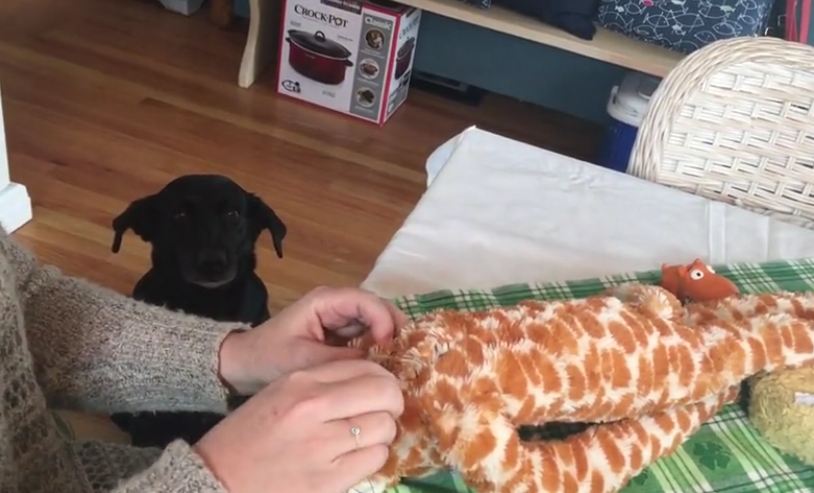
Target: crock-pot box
{"points": [[350, 56]]}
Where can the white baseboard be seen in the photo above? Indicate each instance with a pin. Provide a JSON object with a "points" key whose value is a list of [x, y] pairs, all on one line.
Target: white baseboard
{"points": [[15, 207]]}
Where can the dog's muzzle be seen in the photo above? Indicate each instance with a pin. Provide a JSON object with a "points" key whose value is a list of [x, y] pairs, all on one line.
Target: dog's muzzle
{"points": [[212, 269]]}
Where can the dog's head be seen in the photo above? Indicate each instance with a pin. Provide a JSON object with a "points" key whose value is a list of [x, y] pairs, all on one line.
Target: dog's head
{"points": [[202, 226]]}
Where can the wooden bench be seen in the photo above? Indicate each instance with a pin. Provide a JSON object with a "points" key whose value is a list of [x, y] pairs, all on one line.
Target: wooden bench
{"points": [[607, 46]]}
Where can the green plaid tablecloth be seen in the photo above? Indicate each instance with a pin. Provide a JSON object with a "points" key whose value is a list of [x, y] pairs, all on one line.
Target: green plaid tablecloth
{"points": [[726, 455]]}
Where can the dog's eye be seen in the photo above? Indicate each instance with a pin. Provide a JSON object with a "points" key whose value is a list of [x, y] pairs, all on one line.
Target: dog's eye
{"points": [[233, 214], [179, 216]]}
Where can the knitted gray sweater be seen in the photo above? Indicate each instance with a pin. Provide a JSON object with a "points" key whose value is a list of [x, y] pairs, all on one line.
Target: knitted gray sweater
{"points": [[67, 343]]}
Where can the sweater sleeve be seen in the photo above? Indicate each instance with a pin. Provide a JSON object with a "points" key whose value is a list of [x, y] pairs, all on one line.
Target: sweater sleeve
{"points": [[97, 350], [178, 470], [115, 468]]}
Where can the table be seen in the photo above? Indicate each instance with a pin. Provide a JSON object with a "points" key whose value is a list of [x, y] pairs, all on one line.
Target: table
{"points": [[261, 41], [497, 211]]}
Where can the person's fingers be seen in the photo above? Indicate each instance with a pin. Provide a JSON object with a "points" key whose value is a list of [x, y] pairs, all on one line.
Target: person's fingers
{"points": [[361, 395], [352, 330], [380, 319], [377, 428], [343, 307], [353, 468], [399, 317], [311, 353], [347, 369], [398, 321]]}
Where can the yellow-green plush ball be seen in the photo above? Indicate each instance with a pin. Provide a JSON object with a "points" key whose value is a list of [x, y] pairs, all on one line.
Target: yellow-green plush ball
{"points": [[781, 407]]}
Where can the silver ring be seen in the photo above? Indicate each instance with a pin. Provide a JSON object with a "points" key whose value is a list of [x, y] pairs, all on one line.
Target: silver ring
{"points": [[356, 432]]}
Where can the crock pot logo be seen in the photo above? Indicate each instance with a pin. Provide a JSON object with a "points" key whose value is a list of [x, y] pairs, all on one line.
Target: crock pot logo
{"points": [[372, 21], [316, 15], [292, 86]]}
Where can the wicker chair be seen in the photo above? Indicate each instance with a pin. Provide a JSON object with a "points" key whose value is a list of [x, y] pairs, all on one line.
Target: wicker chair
{"points": [[734, 122]]}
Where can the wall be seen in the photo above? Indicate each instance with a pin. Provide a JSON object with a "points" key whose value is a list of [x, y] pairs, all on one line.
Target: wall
{"points": [[515, 67], [506, 65]]}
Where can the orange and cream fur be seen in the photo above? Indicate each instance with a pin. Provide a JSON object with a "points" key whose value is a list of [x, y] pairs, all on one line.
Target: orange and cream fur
{"points": [[644, 370]]}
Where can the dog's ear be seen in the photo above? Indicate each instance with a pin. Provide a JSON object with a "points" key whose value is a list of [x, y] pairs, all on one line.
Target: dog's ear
{"points": [[141, 216], [261, 217]]}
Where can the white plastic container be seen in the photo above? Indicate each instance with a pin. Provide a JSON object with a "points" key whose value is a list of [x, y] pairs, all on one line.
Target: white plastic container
{"points": [[629, 102], [627, 106]]}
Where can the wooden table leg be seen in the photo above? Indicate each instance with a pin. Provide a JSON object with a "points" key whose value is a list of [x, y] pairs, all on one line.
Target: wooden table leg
{"points": [[261, 43]]}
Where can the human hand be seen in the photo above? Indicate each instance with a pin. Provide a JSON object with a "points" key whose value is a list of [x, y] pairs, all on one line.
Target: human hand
{"points": [[295, 436], [296, 337]]}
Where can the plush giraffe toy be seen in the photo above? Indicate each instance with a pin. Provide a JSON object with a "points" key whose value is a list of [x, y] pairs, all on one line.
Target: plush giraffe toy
{"points": [[644, 371]]}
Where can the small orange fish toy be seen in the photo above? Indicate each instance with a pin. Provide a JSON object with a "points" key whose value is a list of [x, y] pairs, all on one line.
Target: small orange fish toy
{"points": [[696, 282]]}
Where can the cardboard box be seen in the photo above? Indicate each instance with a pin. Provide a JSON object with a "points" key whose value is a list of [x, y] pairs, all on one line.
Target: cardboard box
{"points": [[350, 56]]}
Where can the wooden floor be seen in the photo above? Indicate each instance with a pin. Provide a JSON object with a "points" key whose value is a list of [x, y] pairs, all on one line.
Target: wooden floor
{"points": [[107, 100]]}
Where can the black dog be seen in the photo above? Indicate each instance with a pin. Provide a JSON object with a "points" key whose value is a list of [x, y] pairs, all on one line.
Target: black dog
{"points": [[203, 230]]}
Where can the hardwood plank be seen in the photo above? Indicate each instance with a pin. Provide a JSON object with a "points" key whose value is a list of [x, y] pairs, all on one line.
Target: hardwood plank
{"points": [[108, 100]]}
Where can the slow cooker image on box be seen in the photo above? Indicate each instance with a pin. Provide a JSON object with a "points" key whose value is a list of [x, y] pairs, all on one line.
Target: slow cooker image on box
{"points": [[318, 58], [404, 56]]}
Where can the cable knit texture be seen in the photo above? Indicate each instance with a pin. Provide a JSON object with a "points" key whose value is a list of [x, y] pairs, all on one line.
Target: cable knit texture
{"points": [[67, 343]]}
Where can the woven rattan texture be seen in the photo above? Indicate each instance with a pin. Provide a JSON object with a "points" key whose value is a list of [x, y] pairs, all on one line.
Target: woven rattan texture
{"points": [[734, 122]]}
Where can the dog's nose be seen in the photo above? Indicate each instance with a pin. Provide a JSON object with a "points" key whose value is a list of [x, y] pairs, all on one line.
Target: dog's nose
{"points": [[212, 262]]}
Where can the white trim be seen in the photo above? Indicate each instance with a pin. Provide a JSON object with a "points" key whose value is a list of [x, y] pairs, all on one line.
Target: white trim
{"points": [[15, 207], [4, 173], [15, 204]]}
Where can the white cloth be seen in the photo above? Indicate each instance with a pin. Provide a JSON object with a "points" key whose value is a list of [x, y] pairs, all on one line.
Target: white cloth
{"points": [[499, 211]]}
